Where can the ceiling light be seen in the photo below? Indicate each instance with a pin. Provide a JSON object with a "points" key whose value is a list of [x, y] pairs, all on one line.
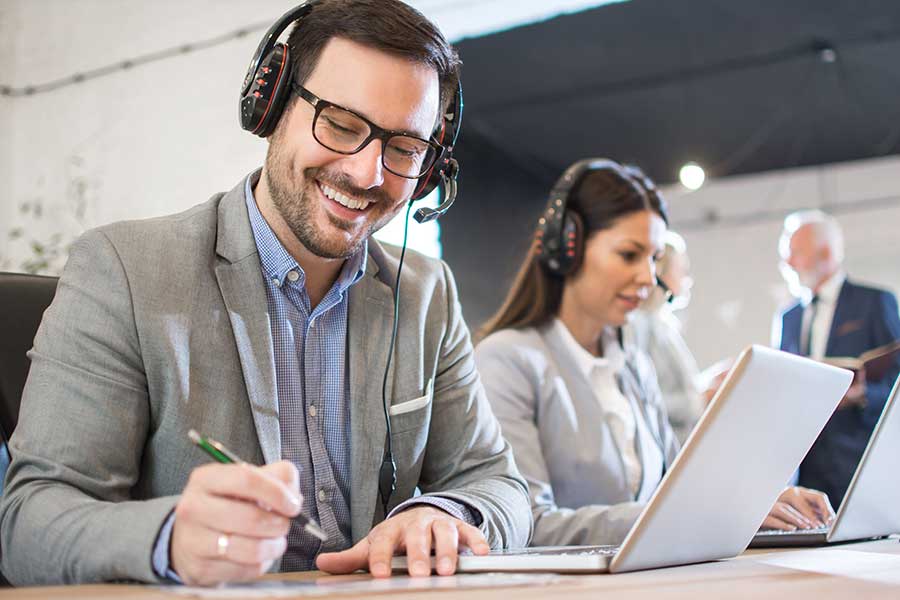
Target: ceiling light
{"points": [[692, 176]]}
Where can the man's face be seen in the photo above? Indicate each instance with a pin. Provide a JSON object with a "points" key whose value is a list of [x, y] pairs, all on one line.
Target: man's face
{"points": [[333, 202], [808, 257]]}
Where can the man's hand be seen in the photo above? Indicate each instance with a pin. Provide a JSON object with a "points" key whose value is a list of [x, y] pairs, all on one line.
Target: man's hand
{"points": [[231, 522], [856, 395], [799, 508], [416, 531]]}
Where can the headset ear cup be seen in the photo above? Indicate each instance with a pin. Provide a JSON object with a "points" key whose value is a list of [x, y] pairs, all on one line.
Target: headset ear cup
{"points": [[573, 242], [262, 105]]}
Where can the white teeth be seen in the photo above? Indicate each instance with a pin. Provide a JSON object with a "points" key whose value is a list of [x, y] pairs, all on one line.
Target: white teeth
{"points": [[343, 199]]}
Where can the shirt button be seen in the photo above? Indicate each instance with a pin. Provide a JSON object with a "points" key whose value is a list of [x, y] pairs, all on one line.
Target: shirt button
{"points": [[322, 496], [312, 323], [293, 276], [312, 410]]}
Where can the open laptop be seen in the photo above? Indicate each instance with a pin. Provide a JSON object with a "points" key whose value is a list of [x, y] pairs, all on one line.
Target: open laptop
{"points": [[871, 506], [758, 427]]}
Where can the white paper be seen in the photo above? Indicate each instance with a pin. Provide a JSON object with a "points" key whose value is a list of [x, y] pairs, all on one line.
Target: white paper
{"points": [[325, 586], [869, 566]]}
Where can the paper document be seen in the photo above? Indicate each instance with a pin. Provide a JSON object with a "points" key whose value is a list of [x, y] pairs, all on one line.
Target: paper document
{"points": [[327, 586]]}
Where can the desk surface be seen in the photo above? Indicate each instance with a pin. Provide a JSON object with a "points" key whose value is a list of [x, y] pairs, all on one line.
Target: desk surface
{"points": [[848, 571]]}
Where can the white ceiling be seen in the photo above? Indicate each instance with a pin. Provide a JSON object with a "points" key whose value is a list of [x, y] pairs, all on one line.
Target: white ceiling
{"points": [[459, 19]]}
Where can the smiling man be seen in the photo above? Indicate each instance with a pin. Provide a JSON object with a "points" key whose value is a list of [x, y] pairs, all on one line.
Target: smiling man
{"points": [[263, 318]]}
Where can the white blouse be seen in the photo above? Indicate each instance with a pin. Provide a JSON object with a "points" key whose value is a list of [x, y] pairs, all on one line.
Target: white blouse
{"points": [[629, 432]]}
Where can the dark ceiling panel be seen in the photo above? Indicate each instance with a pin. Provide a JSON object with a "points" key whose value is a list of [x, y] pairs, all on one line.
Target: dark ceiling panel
{"points": [[664, 82]]}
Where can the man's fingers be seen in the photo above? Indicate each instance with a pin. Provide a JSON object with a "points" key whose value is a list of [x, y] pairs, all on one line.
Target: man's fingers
{"points": [[284, 471], [246, 551], [240, 517], [253, 484], [473, 538], [417, 539], [446, 546], [382, 542], [348, 561]]}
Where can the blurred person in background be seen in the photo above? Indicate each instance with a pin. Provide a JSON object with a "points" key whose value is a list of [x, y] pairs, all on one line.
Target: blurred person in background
{"points": [[655, 329], [834, 317]]}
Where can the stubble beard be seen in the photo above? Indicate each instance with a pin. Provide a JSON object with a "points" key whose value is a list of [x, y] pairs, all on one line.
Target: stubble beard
{"points": [[296, 203]]}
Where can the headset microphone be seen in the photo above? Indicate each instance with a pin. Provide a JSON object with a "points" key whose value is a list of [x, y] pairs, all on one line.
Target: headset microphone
{"points": [[667, 291], [425, 214]]}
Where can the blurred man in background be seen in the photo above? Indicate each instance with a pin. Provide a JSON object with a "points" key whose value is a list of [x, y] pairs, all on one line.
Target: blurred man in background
{"points": [[834, 317]]}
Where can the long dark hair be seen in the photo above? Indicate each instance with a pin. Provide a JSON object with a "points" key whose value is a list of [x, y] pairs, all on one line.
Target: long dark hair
{"points": [[603, 196]]}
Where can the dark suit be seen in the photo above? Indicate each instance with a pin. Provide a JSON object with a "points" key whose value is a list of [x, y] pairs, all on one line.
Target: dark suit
{"points": [[864, 318]]}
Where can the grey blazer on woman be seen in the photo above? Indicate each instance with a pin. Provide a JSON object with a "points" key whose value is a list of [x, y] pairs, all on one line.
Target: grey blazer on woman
{"points": [[162, 325], [560, 437]]}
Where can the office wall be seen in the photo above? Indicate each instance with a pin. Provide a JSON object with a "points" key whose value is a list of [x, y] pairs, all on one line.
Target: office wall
{"points": [[137, 143]]}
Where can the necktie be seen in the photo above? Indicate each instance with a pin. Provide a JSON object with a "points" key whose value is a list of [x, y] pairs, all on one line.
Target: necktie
{"points": [[806, 346]]}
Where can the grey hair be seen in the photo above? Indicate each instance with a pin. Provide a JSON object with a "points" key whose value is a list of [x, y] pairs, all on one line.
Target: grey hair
{"points": [[673, 244], [824, 226]]}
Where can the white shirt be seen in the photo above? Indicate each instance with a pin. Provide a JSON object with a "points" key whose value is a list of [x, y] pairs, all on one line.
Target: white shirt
{"points": [[620, 412], [824, 315]]}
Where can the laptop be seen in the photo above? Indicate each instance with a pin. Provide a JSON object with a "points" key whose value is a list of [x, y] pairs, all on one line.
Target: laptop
{"points": [[758, 427], [871, 506]]}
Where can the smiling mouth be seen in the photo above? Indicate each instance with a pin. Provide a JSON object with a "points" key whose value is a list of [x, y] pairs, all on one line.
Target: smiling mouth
{"points": [[343, 199], [632, 300]]}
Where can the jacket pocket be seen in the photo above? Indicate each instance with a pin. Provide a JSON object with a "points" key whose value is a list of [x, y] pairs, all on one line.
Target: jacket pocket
{"points": [[415, 403]]}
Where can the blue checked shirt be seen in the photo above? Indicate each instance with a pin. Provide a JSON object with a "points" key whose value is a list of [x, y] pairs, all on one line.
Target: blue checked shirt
{"points": [[313, 398]]}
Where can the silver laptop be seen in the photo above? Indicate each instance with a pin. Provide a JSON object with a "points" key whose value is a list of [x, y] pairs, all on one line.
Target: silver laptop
{"points": [[871, 507], [759, 426]]}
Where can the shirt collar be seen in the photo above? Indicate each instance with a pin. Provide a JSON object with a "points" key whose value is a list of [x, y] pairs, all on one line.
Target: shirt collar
{"points": [[277, 262], [613, 357], [829, 291]]}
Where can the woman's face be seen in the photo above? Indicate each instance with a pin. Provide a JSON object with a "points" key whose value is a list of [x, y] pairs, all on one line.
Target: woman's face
{"points": [[619, 269]]}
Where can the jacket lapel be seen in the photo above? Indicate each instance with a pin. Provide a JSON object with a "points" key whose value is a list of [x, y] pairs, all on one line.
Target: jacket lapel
{"points": [[369, 322], [791, 325], [842, 310], [243, 291]]}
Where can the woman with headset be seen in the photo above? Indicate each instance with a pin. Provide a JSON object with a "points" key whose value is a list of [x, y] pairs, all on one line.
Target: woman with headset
{"points": [[567, 393]]}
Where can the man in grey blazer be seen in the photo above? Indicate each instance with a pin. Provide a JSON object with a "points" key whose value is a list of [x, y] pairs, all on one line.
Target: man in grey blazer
{"points": [[262, 317]]}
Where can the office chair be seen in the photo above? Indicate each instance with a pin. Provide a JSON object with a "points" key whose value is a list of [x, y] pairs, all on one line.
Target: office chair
{"points": [[23, 300]]}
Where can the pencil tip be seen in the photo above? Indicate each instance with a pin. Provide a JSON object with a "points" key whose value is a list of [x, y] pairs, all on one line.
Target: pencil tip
{"points": [[195, 437]]}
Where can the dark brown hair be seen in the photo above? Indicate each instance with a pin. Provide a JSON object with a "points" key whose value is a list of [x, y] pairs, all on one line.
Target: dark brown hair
{"points": [[391, 26], [603, 196]]}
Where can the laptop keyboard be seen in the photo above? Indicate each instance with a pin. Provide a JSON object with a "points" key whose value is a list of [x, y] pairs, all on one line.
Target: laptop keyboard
{"points": [[813, 531], [567, 551]]}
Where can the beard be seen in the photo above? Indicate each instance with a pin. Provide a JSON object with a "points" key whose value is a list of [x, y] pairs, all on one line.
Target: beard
{"points": [[297, 203]]}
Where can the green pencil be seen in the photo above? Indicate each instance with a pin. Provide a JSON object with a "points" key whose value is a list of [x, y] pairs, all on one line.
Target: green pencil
{"points": [[220, 453]]}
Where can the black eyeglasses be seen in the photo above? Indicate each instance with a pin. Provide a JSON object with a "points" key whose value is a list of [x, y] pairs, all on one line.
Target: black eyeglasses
{"points": [[343, 131]]}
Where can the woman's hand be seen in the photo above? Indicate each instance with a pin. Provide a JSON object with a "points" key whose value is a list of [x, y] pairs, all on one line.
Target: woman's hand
{"points": [[799, 508]]}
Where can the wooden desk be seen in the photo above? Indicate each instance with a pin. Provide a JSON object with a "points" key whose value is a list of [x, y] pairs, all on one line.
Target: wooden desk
{"points": [[849, 572]]}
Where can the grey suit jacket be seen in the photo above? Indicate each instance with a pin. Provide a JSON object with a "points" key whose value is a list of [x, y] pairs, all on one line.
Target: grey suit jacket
{"points": [[560, 436], [160, 326]]}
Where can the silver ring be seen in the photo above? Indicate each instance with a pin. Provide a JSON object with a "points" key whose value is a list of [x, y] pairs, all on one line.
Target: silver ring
{"points": [[222, 545]]}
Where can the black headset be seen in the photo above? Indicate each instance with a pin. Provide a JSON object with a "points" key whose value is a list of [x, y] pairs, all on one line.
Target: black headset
{"points": [[267, 86], [560, 232], [264, 94]]}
